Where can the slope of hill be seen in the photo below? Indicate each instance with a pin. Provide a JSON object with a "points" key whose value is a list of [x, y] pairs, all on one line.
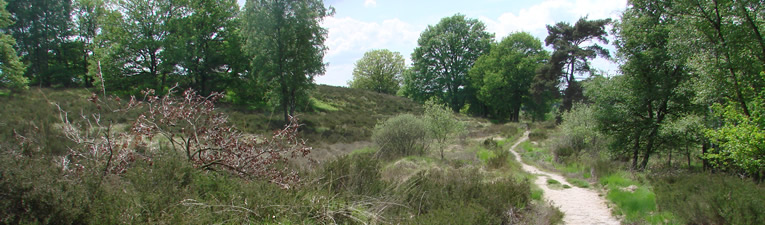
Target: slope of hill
{"points": [[349, 186]]}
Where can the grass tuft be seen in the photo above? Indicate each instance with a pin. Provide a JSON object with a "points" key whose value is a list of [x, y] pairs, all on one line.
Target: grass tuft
{"points": [[578, 182]]}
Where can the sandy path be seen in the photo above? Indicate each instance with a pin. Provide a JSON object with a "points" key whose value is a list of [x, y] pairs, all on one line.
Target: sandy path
{"points": [[579, 205]]}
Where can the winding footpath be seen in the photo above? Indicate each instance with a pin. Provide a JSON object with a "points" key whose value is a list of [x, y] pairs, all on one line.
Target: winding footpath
{"points": [[579, 205]]}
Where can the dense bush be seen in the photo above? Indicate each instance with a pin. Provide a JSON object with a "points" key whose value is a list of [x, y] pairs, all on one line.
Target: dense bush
{"points": [[711, 199], [402, 135]]}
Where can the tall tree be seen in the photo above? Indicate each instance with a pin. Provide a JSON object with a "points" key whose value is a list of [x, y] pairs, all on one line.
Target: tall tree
{"points": [[41, 29], [286, 41], [726, 37], [570, 57], [132, 45], [380, 71], [444, 55], [503, 77], [89, 16], [11, 68], [200, 42], [654, 90], [724, 40]]}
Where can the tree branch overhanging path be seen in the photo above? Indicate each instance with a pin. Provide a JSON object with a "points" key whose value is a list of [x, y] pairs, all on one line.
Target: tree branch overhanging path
{"points": [[579, 205]]}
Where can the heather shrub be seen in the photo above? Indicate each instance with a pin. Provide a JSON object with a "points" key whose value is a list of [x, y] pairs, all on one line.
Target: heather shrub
{"points": [[402, 135], [711, 199]]}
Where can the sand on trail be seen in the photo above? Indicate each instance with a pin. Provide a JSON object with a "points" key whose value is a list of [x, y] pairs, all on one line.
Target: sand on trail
{"points": [[579, 205]]}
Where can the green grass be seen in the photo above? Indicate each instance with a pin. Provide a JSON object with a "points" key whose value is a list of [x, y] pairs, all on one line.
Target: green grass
{"points": [[617, 180], [484, 154], [638, 206], [536, 194], [578, 182], [323, 106], [534, 155], [552, 181]]}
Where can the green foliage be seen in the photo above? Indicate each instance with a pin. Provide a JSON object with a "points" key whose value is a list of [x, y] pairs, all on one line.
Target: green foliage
{"points": [[485, 154], [493, 154], [129, 53], [286, 42], [442, 59], [379, 71], [12, 75], [442, 125], [719, 38], [569, 58], [42, 31], [402, 135], [577, 133], [203, 45], [503, 77], [711, 199], [741, 140]]}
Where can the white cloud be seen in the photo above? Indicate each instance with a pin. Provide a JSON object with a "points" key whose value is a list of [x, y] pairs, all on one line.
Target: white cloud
{"points": [[348, 34], [350, 38], [370, 3], [535, 18]]}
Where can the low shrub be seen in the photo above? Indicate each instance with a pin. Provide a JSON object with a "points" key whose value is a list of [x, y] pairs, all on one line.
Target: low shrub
{"points": [[402, 135], [357, 174], [537, 135], [499, 160], [438, 191], [711, 199]]}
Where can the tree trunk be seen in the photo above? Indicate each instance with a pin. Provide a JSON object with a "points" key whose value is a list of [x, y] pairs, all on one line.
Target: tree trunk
{"points": [[649, 146], [704, 162], [669, 161], [636, 150], [688, 155]]}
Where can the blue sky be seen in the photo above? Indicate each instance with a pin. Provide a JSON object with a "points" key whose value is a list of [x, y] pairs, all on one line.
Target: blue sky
{"points": [[362, 25]]}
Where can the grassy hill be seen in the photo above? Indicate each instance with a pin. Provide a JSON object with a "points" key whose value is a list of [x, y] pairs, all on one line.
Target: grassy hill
{"points": [[476, 183]]}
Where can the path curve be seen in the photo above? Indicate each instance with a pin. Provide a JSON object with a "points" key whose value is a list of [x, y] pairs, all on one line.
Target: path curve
{"points": [[579, 205]]}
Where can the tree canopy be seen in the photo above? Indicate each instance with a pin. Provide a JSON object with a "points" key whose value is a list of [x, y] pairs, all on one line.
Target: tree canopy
{"points": [[11, 68], [42, 30], [379, 71], [444, 55], [286, 41], [503, 76], [570, 58]]}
